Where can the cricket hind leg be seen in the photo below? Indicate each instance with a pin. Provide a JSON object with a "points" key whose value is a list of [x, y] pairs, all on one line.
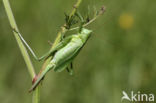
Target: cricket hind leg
{"points": [[35, 78], [42, 75]]}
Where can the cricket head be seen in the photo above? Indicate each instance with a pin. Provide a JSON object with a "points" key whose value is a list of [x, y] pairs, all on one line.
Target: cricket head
{"points": [[85, 34]]}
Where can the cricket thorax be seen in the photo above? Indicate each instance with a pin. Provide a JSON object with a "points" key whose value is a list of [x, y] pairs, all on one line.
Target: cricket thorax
{"points": [[77, 39]]}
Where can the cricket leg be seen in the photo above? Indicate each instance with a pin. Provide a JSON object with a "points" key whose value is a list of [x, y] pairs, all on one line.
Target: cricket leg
{"points": [[41, 76], [50, 43], [57, 47], [70, 69], [81, 19], [46, 54], [28, 47], [62, 36]]}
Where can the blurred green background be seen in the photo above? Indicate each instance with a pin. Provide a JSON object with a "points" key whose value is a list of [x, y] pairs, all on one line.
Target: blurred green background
{"points": [[119, 56]]}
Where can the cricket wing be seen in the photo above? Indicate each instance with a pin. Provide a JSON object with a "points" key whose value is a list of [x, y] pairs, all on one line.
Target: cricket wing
{"points": [[58, 46], [67, 61]]}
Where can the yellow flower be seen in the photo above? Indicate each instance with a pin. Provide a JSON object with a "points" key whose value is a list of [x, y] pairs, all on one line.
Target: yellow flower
{"points": [[126, 21]]}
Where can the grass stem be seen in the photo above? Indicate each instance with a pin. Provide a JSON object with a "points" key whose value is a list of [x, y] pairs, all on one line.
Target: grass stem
{"points": [[22, 48]]}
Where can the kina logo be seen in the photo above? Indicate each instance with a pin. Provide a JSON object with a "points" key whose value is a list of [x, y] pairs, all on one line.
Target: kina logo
{"points": [[137, 97]]}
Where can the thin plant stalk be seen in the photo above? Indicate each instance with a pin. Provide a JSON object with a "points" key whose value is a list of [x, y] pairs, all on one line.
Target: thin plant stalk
{"points": [[22, 48]]}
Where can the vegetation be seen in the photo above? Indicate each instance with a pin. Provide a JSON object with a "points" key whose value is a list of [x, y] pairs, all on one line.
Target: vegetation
{"points": [[119, 56]]}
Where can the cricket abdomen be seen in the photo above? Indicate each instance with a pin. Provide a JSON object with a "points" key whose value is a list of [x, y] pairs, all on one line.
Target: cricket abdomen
{"points": [[66, 52]]}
